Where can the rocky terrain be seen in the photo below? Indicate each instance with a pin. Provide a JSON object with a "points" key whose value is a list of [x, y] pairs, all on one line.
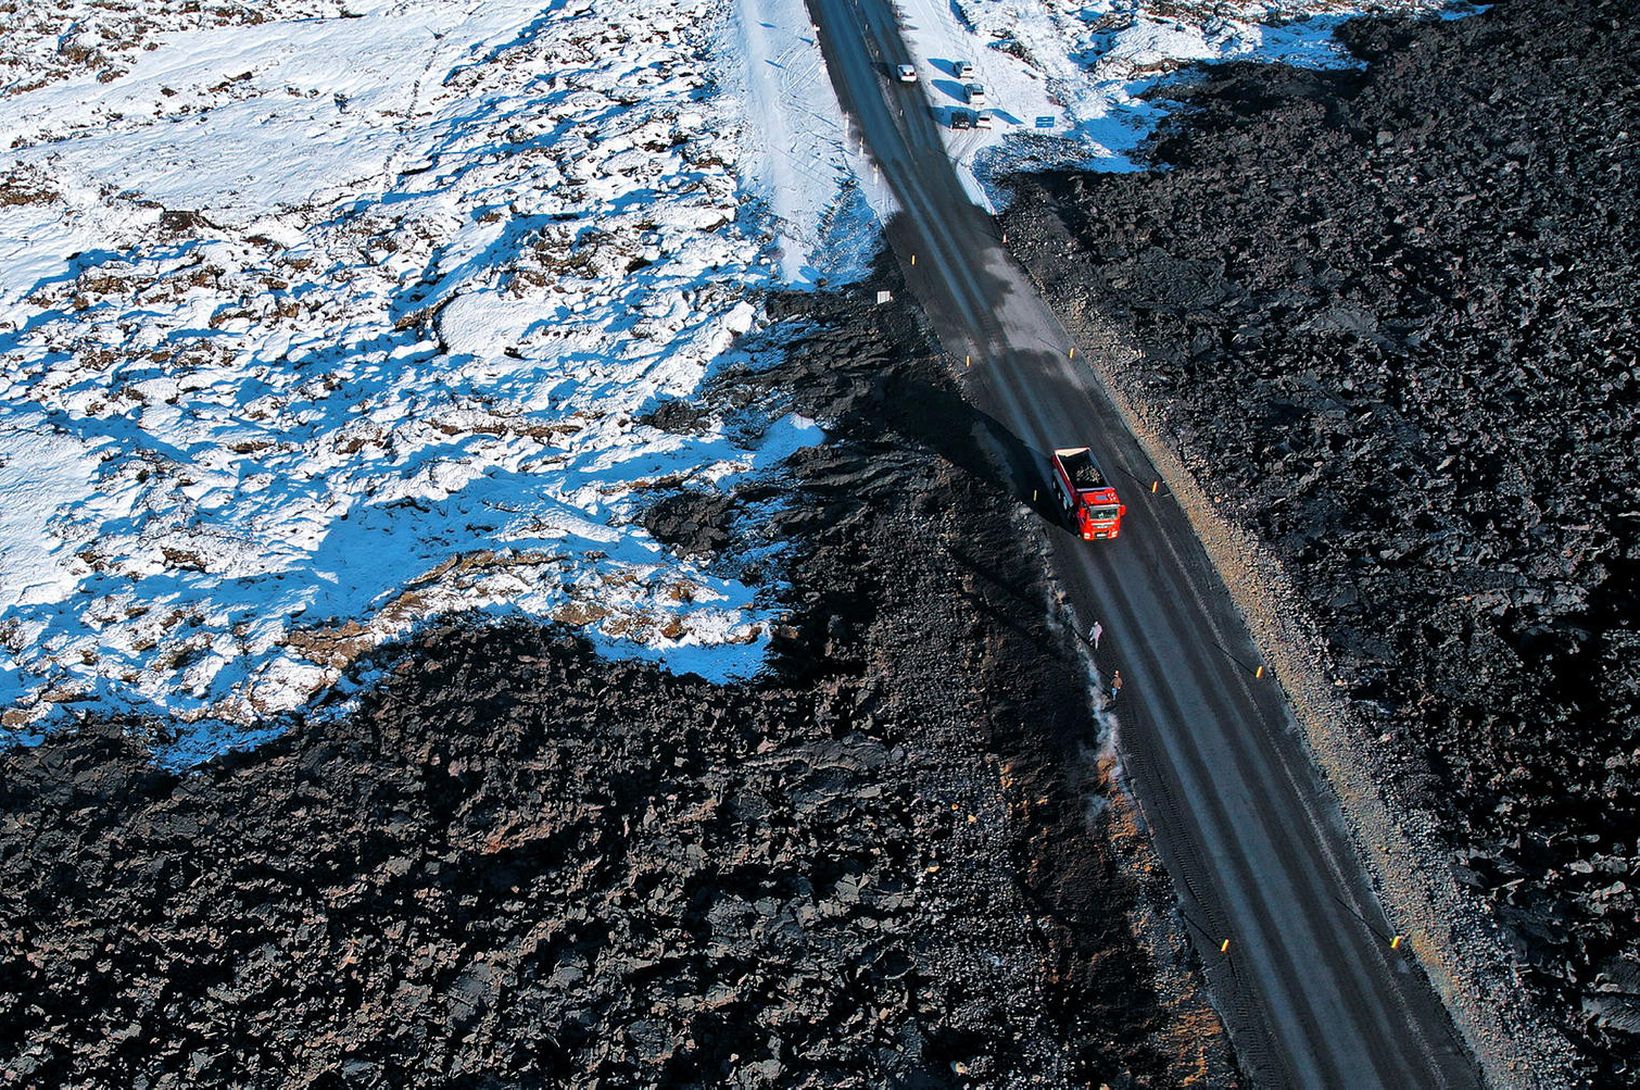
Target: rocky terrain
{"points": [[896, 859], [1388, 323]]}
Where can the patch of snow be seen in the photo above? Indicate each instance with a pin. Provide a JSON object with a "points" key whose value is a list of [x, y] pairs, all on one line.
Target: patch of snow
{"points": [[1064, 81], [41, 44], [40, 473], [313, 330], [796, 162]]}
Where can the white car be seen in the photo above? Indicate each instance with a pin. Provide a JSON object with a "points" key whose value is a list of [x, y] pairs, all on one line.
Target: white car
{"points": [[975, 92], [982, 119], [907, 73], [963, 69]]}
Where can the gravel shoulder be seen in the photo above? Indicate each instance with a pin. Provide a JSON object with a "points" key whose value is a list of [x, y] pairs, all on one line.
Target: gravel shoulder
{"points": [[1377, 329]]}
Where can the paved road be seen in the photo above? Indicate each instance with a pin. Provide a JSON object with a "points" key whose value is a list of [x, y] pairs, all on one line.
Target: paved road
{"points": [[1309, 989]]}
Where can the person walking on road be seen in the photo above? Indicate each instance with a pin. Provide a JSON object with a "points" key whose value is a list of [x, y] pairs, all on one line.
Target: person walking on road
{"points": [[1115, 687], [1094, 633]]}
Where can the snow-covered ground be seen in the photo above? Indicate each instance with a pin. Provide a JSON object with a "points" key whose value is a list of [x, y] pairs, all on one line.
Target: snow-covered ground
{"points": [[318, 321], [1063, 80], [795, 162], [314, 329]]}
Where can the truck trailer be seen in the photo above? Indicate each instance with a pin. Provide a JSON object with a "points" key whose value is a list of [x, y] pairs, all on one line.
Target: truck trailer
{"points": [[1089, 499]]}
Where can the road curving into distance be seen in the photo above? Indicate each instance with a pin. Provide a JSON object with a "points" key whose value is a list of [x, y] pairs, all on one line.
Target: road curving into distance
{"points": [[1309, 987]]}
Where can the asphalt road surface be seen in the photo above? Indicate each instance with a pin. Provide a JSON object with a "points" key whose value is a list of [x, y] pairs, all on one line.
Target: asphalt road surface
{"points": [[1309, 988]]}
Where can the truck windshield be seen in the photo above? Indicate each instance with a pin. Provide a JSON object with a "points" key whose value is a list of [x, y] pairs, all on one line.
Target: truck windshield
{"points": [[1102, 514]]}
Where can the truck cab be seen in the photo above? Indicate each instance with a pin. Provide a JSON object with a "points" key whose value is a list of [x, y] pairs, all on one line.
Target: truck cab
{"points": [[1089, 499]]}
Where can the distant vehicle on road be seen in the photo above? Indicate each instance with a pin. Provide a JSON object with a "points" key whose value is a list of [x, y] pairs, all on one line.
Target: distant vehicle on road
{"points": [[975, 93], [962, 119], [982, 119], [963, 69], [907, 73], [1087, 497]]}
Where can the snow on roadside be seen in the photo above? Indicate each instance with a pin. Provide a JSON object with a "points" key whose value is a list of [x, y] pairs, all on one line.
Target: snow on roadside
{"points": [[797, 165], [315, 329], [1064, 80]]}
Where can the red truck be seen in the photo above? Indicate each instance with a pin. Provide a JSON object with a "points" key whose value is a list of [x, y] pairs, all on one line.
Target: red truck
{"points": [[1086, 495]]}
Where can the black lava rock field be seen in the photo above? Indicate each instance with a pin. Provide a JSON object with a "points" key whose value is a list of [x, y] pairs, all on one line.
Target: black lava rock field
{"points": [[895, 860], [1387, 319]]}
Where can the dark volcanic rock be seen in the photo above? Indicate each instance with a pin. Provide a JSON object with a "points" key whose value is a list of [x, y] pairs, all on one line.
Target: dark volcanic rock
{"points": [[522, 864], [1389, 320], [692, 520]]}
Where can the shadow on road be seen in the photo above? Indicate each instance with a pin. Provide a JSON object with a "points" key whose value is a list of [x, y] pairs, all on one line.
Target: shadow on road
{"points": [[935, 415]]}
